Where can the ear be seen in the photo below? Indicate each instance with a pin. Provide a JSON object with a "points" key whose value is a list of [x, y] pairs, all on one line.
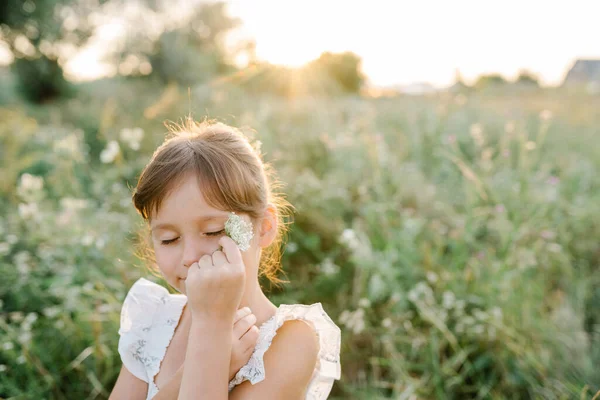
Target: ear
{"points": [[268, 227]]}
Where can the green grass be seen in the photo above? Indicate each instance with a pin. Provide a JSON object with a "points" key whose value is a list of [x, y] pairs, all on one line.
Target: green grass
{"points": [[454, 239]]}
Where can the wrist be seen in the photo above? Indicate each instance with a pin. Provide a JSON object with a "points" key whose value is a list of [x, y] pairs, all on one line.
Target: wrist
{"points": [[200, 320]]}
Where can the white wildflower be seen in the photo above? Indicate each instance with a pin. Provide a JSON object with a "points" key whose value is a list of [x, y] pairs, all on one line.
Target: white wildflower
{"points": [[432, 277], [24, 337], [21, 359], [111, 151], [30, 182], [2, 368], [448, 299], [291, 247], [354, 320], [132, 137], [239, 230], [365, 303], [8, 346], [349, 239], [386, 323], [69, 145], [51, 312], [328, 267], [29, 210]]}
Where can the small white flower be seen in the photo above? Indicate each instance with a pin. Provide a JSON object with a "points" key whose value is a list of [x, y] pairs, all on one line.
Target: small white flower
{"points": [[291, 247], [365, 303], [21, 359], [2, 368], [132, 137], [239, 230], [111, 151], [8, 346], [386, 323]]}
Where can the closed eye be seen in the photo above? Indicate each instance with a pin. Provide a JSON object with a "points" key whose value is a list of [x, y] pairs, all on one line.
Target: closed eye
{"points": [[222, 231], [168, 241]]}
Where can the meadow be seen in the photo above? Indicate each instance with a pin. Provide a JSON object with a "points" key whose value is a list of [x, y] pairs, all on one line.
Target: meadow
{"points": [[453, 237]]}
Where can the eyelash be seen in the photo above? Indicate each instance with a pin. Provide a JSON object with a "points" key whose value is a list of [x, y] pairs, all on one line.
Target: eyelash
{"points": [[211, 234]]}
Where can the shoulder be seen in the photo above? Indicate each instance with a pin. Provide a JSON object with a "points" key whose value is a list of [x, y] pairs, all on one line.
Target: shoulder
{"points": [[302, 357], [294, 351], [289, 365]]}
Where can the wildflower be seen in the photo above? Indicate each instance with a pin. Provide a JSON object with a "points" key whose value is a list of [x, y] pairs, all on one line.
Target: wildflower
{"points": [[8, 346], [2, 368], [328, 267], [132, 137], [291, 247], [448, 299], [111, 151], [239, 230], [355, 320], [365, 303], [68, 145], [386, 323], [29, 210]]}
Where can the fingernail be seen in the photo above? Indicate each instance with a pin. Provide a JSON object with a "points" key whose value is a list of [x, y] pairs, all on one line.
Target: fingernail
{"points": [[247, 309]]}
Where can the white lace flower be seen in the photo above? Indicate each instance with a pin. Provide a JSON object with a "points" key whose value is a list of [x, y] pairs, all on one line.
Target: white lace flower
{"points": [[239, 230]]}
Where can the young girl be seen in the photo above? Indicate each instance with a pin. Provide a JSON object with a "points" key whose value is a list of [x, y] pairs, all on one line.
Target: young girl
{"points": [[216, 226]]}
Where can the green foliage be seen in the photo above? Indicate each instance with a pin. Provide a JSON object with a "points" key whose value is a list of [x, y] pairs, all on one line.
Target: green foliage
{"points": [[342, 68], [32, 29], [527, 78], [453, 240], [490, 81], [40, 79]]}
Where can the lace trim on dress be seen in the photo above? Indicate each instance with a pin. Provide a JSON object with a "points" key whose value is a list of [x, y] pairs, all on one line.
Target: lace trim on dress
{"points": [[328, 366]]}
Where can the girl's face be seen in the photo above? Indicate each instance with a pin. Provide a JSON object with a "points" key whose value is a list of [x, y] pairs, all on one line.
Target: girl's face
{"points": [[185, 228]]}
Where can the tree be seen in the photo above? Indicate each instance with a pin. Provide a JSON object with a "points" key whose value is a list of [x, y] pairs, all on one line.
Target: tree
{"points": [[490, 81], [185, 50], [37, 34], [342, 68], [527, 78]]}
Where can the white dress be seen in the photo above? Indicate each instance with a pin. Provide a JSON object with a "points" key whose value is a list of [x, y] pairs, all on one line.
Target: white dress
{"points": [[150, 315]]}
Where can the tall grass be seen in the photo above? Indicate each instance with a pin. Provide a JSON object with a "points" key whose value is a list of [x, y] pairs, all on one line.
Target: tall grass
{"points": [[453, 238]]}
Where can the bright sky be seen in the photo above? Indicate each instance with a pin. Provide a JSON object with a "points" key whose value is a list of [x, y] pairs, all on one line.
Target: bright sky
{"points": [[403, 42]]}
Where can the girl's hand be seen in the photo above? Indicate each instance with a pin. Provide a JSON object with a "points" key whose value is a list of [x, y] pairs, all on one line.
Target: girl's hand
{"points": [[245, 336], [215, 284]]}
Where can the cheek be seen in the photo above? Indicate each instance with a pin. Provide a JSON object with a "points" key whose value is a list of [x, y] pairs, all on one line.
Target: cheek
{"points": [[165, 258]]}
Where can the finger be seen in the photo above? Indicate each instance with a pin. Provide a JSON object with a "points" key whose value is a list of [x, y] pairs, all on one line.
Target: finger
{"points": [[241, 313], [242, 326], [205, 261], [218, 258], [250, 338], [231, 250]]}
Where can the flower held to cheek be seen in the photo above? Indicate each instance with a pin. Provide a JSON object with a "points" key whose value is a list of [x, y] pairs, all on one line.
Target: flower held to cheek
{"points": [[239, 230]]}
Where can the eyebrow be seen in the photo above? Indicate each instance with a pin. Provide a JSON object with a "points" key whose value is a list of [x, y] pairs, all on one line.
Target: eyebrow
{"points": [[207, 218]]}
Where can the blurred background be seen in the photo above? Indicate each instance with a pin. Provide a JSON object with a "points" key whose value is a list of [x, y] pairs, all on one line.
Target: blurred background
{"points": [[443, 159]]}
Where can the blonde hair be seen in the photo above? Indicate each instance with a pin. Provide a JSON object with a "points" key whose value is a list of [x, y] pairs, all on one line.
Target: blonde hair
{"points": [[231, 174]]}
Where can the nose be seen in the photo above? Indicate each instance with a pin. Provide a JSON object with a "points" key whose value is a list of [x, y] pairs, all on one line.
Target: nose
{"points": [[194, 249]]}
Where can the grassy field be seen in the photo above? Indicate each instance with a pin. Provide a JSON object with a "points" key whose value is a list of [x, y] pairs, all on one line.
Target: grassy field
{"points": [[454, 238]]}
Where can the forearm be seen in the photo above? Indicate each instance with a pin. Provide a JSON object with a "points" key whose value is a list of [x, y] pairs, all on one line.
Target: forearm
{"points": [[171, 390], [206, 365]]}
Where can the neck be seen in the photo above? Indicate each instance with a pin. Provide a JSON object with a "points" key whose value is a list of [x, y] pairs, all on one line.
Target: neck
{"points": [[255, 299]]}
